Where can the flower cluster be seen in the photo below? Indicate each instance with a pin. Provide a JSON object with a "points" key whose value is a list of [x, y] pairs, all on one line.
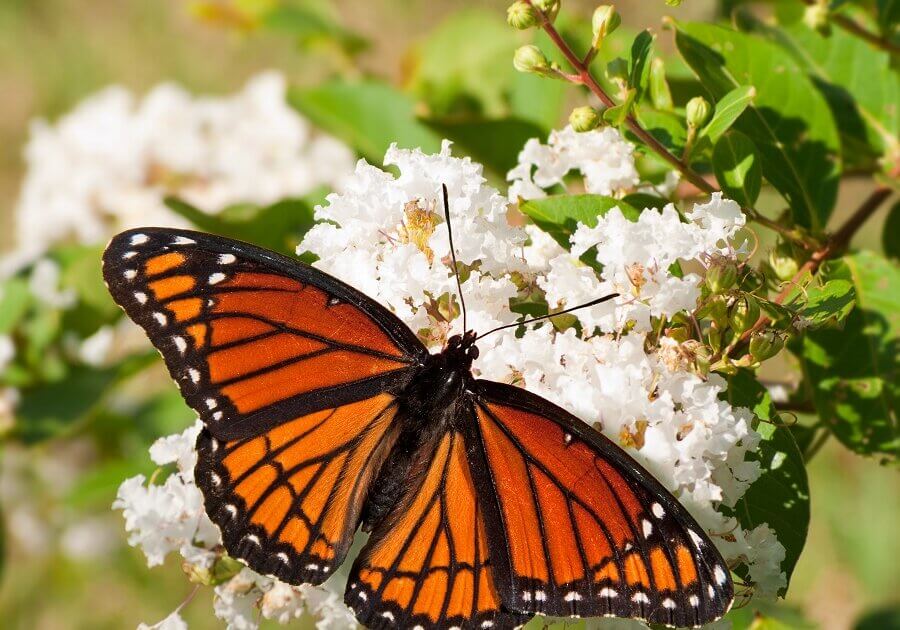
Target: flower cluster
{"points": [[385, 235], [109, 163], [602, 156]]}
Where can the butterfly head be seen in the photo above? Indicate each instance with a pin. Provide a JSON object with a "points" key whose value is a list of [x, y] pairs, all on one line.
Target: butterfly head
{"points": [[461, 349]]}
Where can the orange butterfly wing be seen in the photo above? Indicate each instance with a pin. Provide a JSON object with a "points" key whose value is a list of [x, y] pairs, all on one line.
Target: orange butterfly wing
{"points": [[586, 530], [428, 564], [288, 501], [252, 338], [295, 376]]}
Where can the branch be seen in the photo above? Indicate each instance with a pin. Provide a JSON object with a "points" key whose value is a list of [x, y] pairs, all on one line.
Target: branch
{"points": [[855, 28], [584, 77], [835, 245]]}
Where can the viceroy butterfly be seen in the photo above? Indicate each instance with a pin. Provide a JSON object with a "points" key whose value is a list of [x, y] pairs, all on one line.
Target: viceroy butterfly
{"points": [[324, 413]]}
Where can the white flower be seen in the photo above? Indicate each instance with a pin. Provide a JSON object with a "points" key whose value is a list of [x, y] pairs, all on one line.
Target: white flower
{"points": [[44, 285], [236, 600], [108, 164], [172, 622], [7, 351], [602, 156]]}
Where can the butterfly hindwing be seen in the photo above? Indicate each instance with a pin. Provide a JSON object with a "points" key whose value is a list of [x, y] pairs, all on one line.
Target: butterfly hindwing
{"points": [[288, 501], [586, 530], [427, 565], [253, 338]]}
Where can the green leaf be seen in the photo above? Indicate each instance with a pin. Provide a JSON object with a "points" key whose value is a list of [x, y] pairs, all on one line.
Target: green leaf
{"points": [[890, 236], [854, 373], [464, 65], [641, 49], [49, 409], [780, 496], [790, 122], [493, 143], [559, 215], [860, 82], [829, 303], [660, 95], [280, 226], [367, 115], [666, 126], [642, 201], [14, 301], [737, 168], [617, 114], [312, 26], [728, 110]]}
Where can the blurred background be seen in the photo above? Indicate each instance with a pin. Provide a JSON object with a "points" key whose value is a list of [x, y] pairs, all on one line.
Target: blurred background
{"points": [[67, 564]]}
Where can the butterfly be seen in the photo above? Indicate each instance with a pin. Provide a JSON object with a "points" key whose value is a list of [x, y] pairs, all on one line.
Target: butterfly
{"points": [[323, 413]]}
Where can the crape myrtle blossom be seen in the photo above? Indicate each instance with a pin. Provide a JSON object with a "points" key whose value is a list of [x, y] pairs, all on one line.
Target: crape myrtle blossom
{"points": [[602, 156], [385, 235], [108, 164]]}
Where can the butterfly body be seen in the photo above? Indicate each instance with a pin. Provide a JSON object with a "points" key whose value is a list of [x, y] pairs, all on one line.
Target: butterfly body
{"points": [[324, 414]]}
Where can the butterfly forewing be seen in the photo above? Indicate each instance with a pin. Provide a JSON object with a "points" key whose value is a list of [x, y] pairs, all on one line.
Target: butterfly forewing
{"points": [[252, 338], [587, 531]]}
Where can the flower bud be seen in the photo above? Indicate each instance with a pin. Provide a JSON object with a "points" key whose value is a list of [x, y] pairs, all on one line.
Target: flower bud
{"points": [[716, 310], [698, 111], [530, 59], [721, 275], [765, 344], [584, 119], [521, 15], [782, 261], [714, 339], [743, 313], [604, 21], [549, 7], [817, 17]]}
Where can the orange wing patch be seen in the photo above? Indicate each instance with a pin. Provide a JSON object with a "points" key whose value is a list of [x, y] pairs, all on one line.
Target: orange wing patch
{"points": [[289, 500], [428, 564], [584, 537], [249, 343]]}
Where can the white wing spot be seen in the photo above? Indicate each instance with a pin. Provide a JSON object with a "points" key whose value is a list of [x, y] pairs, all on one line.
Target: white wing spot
{"points": [[526, 596], [253, 538], [215, 444], [217, 481], [567, 438], [217, 415], [658, 510], [140, 297], [216, 278], [540, 596], [694, 600], [283, 557], [696, 538], [180, 343], [608, 592], [363, 596], [194, 375], [387, 614], [640, 597], [487, 624], [627, 546], [128, 255], [231, 510], [226, 259], [183, 240], [139, 239], [130, 274], [418, 628], [312, 567], [648, 528], [160, 318], [211, 403], [572, 596], [668, 603], [719, 574], [711, 591]]}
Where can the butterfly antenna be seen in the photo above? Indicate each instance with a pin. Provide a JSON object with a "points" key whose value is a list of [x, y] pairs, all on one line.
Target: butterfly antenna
{"points": [[462, 301], [542, 317]]}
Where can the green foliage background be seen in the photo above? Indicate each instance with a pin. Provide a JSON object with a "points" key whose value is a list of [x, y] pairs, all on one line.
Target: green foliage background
{"points": [[820, 126]]}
